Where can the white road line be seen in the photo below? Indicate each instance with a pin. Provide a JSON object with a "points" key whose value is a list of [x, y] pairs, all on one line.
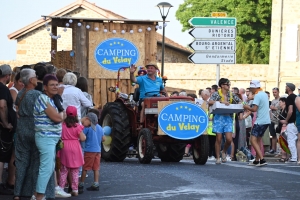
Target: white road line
{"points": [[264, 168], [163, 194]]}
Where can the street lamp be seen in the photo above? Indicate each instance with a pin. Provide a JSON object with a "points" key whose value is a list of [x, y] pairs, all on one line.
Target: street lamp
{"points": [[162, 6]]}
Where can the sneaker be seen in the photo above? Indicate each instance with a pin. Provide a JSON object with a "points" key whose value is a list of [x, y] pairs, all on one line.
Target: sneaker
{"points": [[93, 188], [218, 161], [33, 197], [262, 162], [80, 188], [211, 158], [270, 152], [228, 158], [298, 163], [4, 190], [254, 163], [291, 161], [74, 193], [60, 193]]}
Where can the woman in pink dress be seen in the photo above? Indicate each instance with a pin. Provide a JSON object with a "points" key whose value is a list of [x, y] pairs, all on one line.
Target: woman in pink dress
{"points": [[71, 154]]}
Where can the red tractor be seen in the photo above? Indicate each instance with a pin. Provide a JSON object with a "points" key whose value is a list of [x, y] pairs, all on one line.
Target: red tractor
{"points": [[122, 116]]}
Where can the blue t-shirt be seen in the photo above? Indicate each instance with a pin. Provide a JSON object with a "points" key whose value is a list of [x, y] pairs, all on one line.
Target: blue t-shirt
{"points": [[263, 112], [93, 139], [149, 87]]}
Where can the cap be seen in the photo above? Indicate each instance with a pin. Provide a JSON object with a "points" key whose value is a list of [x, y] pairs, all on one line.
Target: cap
{"points": [[94, 120], [5, 70], [142, 72], [71, 111], [152, 64], [291, 86], [255, 84]]}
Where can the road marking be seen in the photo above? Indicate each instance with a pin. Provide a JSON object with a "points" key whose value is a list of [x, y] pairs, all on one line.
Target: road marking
{"points": [[264, 168], [162, 194]]}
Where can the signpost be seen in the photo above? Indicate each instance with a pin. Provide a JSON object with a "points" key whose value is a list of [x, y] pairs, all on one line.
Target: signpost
{"points": [[215, 40], [213, 45], [212, 58], [213, 33], [213, 21]]}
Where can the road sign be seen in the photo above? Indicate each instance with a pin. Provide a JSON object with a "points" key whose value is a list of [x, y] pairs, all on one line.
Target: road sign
{"points": [[213, 45], [212, 58], [213, 21], [219, 14], [213, 33]]}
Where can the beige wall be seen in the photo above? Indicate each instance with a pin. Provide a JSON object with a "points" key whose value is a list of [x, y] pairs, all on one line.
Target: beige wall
{"points": [[288, 71], [195, 77]]}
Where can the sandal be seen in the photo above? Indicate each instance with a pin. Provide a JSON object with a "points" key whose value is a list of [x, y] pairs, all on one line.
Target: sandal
{"points": [[16, 198], [282, 160], [186, 155], [224, 157]]}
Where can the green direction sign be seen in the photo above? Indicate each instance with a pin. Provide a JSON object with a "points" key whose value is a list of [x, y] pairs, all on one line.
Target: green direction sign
{"points": [[213, 21]]}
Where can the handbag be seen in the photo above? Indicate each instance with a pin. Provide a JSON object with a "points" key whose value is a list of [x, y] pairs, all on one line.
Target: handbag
{"points": [[59, 145]]}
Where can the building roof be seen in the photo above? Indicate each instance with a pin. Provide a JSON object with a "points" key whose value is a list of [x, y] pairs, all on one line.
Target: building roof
{"points": [[88, 6]]}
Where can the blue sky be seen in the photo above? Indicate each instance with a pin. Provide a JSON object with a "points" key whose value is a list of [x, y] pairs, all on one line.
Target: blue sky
{"points": [[16, 14]]}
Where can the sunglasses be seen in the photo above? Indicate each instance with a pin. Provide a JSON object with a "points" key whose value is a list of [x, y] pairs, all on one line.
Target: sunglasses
{"points": [[227, 84]]}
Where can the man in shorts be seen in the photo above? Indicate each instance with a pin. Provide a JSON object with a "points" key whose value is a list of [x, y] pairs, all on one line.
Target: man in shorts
{"points": [[223, 123], [261, 106]]}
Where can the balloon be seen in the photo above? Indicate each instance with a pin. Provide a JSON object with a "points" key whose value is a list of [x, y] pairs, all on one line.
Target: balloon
{"points": [[106, 130], [107, 140]]}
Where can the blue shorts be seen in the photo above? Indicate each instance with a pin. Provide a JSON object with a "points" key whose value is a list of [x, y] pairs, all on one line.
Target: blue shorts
{"points": [[222, 124], [259, 130]]}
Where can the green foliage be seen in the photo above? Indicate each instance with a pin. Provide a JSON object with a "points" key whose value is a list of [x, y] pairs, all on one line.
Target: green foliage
{"points": [[253, 24]]}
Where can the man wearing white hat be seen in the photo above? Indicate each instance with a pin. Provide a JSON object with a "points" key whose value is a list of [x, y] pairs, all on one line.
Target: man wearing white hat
{"points": [[261, 106]]}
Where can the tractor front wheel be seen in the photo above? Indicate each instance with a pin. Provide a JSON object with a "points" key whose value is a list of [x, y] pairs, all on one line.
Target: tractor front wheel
{"points": [[145, 146]]}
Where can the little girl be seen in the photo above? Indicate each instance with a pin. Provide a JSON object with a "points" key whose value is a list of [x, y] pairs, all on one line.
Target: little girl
{"points": [[71, 154]]}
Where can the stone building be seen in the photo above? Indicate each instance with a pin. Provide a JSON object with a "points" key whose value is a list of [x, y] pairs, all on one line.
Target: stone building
{"points": [[34, 42]]}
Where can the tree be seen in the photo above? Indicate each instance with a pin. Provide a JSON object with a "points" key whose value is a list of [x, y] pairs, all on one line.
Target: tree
{"points": [[253, 24]]}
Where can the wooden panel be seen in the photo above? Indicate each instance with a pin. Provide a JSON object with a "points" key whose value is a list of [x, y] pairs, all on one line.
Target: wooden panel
{"points": [[108, 93], [103, 92], [138, 39], [96, 93], [113, 95]]}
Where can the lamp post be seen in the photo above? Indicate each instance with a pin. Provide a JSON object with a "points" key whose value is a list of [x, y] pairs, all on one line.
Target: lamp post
{"points": [[164, 13]]}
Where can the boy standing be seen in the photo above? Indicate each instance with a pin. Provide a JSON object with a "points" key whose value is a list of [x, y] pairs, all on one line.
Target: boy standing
{"points": [[92, 151], [262, 122]]}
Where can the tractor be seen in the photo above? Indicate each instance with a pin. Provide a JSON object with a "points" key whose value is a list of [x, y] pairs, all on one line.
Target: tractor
{"points": [[122, 116]]}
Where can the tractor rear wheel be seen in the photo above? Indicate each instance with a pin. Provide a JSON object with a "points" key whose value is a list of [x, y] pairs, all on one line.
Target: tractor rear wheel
{"points": [[200, 150], [145, 146], [114, 115]]}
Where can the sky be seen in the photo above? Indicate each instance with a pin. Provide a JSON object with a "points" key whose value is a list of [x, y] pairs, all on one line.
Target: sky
{"points": [[16, 14]]}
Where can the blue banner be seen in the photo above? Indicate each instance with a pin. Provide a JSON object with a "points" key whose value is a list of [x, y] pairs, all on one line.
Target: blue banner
{"points": [[114, 53], [183, 120]]}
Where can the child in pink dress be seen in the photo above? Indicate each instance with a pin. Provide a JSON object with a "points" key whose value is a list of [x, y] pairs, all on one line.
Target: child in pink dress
{"points": [[71, 154]]}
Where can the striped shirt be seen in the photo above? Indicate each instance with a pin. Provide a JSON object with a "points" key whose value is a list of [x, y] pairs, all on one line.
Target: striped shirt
{"points": [[43, 124]]}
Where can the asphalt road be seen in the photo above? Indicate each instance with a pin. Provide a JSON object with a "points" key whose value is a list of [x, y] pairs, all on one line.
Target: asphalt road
{"points": [[131, 180]]}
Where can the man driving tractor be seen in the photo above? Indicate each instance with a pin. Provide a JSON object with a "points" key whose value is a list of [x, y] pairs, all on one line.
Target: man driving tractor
{"points": [[150, 85]]}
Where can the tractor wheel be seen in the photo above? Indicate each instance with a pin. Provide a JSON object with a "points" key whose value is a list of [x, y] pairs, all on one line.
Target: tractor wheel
{"points": [[162, 151], [176, 152], [114, 115], [200, 150], [145, 146]]}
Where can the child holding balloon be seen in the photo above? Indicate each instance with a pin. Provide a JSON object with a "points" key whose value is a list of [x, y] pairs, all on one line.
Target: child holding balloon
{"points": [[92, 151]]}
